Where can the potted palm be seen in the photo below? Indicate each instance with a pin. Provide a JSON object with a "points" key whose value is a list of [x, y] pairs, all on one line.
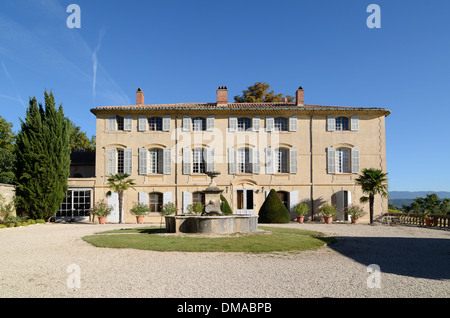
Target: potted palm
{"points": [[328, 212], [355, 212], [101, 210], [140, 209], [301, 209]]}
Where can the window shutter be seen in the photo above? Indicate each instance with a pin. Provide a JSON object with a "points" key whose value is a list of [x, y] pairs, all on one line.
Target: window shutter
{"points": [[209, 159], [232, 123], [127, 122], [112, 161], [293, 160], [112, 123], [143, 161], [186, 123], [187, 199], [167, 197], [143, 197], [167, 155], [256, 162], [256, 123], [331, 159], [142, 123], [354, 123], [231, 160], [128, 161], [166, 123], [210, 123], [331, 123], [355, 160], [269, 123], [293, 123], [186, 161], [269, 161], [293, 199]]}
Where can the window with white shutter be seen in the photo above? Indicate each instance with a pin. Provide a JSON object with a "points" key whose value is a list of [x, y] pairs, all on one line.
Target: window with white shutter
{"points": [[166, 123], [269, 160], [142, 161], [128, 161], [269, 123], [186, 161], [256, 123], [209, 159], [167, 154], [142, 123], [186, 123], [167, 197], [331, 123], [112, 123], [187, 199], [232, 123], [143, 197], [112, 161], [210, 123], [231, 160], [293, 199], [293, 160], [331, 160], [256, 162], [354, 123], [355, 160], [293, 123]]}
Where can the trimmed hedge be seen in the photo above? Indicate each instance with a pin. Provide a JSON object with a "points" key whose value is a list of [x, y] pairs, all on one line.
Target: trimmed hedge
{"points": [[224, 206], [273, 210]]}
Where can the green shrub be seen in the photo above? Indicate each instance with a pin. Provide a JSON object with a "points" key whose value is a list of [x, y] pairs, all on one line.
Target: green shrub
{"points": [[17, 224], [273, 210], [10, 224], [40, 221], [2, 226], [24, 223], [224, 206], [30, 221], [328, 210]]}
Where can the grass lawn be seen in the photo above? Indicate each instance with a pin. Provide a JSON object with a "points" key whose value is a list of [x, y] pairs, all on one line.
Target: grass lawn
{"points": [[274, 239]]}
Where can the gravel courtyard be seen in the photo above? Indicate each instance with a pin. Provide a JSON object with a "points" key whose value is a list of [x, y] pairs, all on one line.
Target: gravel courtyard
{"points": [[42, 260]]}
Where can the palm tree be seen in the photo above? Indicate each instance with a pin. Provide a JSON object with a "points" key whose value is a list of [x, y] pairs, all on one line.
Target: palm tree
{"points": [[119, 183], [372, 182]]}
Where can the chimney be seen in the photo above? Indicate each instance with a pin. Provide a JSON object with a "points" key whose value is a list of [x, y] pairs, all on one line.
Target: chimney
{"points": [[222, 95], [299, 98], [139, 97]]}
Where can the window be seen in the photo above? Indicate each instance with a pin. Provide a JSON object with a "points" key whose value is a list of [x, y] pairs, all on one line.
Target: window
{"points": [[119, 121], [198, 161], [77, 203], [341, 123], [198, 197], [281, 124], [155, 157], [120, 161], [155, 124], [281, 160], [199, 124], [243, 161], [244, 124], [156, 201], [284, 197], [342, 160]]}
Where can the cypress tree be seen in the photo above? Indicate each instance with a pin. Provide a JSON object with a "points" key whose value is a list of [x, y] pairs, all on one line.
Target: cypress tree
{"points": [[273, 210], [43, 159]]}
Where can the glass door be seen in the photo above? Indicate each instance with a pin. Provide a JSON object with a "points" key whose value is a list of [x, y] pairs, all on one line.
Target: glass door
{"points": [[244, 201]]}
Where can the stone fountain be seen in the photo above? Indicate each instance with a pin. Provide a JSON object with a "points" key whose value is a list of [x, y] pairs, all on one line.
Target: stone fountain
{"points": [[212, 220]]}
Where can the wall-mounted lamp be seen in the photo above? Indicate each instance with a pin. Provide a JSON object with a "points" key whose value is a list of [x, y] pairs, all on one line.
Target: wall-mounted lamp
{"points": [[262, 189]]}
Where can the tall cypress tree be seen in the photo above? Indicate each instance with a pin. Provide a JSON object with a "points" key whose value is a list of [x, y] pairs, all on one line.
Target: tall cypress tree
{"points": [[43, 159]]}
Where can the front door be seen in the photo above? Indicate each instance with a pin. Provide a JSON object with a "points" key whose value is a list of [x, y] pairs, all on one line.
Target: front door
{"points": [[113, 202], [244, 201]]}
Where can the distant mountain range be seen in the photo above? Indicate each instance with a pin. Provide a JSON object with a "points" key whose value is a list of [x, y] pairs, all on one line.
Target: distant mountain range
{"points": [[398, 198]]}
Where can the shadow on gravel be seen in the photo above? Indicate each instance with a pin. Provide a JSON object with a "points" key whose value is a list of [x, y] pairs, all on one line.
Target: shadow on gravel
{"points": [[415, 257]]}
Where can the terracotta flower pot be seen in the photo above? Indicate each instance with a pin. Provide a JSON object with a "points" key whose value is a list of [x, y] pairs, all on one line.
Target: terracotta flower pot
{"points": [[139, 219], [354, 220], [328, 219], [300, 218], [102, 219], [428, 222]]}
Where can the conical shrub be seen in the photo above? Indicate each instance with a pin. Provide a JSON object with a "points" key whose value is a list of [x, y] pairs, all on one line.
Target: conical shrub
{"points": [[273, 210]]}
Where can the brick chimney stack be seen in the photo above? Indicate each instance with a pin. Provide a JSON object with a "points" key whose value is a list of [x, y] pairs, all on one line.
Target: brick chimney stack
{"points": [[222, 95], [139, 97], [299, 97]]}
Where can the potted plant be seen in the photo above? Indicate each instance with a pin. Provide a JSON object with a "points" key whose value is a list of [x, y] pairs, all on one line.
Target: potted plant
{"points": [[101, 210], [328, 212], [425, 215], [301, 209], [140, 209], [196, 207], [355, 212], [167, 209]]}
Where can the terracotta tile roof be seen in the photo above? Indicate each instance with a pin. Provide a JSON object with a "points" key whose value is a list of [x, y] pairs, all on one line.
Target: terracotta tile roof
{"points": [[233, 106]]}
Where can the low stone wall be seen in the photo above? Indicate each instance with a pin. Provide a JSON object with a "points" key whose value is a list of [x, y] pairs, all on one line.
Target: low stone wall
{"points": [[211, 224]]}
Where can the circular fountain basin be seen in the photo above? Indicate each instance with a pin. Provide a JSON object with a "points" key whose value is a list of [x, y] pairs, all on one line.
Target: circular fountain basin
{"points": [[226, 224]]}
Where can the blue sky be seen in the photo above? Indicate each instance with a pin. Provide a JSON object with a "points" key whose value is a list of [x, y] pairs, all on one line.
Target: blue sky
{"points": [[181, 51]]}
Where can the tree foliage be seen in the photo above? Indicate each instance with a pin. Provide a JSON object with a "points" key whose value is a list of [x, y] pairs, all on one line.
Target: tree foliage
{"points": [[373, 182], [431, 204], [43, 159], [259, 93], [78, 139], [7, 157]]}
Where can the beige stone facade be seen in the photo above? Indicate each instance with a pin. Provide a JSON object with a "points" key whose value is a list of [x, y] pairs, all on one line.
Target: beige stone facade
{"points": [[307, 153]]}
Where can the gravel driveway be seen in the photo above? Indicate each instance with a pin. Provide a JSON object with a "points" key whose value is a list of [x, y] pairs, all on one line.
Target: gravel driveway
{"points": [[46, 260]]}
